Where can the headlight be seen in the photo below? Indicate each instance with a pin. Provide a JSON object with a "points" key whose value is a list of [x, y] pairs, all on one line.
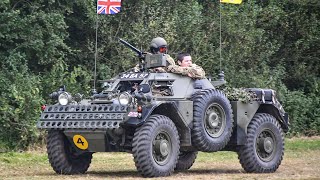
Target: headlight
{"points": [[64, 98], [125, 98]]}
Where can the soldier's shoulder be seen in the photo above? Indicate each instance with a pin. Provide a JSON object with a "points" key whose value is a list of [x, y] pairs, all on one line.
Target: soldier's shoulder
{"points": [[170, 59], [195, 66]]}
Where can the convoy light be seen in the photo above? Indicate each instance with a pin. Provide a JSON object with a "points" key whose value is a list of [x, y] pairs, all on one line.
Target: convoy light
{"points": [[64, 98], [125, 98]]}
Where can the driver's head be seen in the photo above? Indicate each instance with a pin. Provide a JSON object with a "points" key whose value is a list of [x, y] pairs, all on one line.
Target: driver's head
{"points": [[158, 45]]}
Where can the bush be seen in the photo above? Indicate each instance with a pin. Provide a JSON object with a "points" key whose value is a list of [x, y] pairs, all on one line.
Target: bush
{"points": [[20, 106], [303, 113]]}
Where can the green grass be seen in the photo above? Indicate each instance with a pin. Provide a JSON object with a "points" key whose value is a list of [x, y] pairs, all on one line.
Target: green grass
{"points": [[217, 156], [296, 145], [14, 158], [302, 144], [301, 159]]}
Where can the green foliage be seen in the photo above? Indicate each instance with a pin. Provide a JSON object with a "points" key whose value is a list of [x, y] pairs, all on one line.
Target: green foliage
{"points": [[76, 81], [304, 113], [20, 104], [32, 44]]}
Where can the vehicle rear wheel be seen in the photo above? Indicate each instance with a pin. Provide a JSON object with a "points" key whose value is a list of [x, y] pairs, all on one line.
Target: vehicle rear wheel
{"points": [[62, 156], [186, 160], [264, 149], [213, 120], [156, 147]]}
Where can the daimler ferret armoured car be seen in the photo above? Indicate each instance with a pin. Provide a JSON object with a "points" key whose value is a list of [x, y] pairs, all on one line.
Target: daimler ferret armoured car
{"points": [[163, 119]]}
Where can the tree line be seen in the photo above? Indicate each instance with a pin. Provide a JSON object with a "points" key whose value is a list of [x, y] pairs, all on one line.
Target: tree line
{"points": [[48, 43]]}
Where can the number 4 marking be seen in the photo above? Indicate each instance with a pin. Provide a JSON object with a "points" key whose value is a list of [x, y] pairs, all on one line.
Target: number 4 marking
{"points": [[80, 141]]}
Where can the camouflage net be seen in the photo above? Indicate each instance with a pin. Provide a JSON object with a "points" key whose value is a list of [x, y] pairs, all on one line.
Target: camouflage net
{"points": [[239, 94]]}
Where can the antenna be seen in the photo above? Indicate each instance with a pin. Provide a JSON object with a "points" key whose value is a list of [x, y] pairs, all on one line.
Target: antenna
{"points": [[94, 91], [221, 74], [220, 39]]}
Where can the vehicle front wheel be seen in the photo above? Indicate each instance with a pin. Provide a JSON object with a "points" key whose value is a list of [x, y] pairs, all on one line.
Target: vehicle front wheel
{"points": [[62, 156], [156, 147], [264, 149]]}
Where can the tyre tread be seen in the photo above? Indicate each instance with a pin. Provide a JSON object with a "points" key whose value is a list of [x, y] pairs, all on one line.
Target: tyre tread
{"points": [[247, 154]]}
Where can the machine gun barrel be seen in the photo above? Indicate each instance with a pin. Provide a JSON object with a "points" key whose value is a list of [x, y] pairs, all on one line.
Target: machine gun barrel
{"points": [[131, 47]]}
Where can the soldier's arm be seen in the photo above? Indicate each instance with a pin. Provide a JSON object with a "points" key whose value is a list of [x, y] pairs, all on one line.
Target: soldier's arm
{"points": [[196, 72], [158, 70], [193, 71]]}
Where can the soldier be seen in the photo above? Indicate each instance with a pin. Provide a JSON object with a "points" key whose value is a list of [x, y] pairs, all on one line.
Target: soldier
{"points": [[186, 67], [159, 45]]}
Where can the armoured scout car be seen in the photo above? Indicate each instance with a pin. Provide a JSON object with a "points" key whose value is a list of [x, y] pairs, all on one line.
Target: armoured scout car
{"points": [[163, 119]]}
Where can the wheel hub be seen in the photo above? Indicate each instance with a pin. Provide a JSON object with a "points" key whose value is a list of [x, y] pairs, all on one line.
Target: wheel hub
{"points": [[162, 147], [268, 144], [213, 120]]}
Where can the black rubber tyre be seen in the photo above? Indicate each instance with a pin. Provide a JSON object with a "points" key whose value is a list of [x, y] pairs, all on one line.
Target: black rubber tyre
{"points": [[61, 155], [186, 160], [264, 149], [156, 147], [213, 120]]}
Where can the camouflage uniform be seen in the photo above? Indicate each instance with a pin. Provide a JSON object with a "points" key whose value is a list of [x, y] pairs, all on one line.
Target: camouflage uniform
{"points": [[193, 71]]}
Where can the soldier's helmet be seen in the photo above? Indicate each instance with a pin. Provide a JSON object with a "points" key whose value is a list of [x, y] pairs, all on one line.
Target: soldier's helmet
{"points": [[158, 45]]}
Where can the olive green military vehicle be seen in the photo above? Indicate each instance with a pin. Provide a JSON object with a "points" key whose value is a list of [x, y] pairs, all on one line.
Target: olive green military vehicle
{"points": [[163, 119]]}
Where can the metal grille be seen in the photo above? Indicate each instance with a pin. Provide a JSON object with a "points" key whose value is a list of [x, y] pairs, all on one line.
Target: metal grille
{"points": [[82, 117]]}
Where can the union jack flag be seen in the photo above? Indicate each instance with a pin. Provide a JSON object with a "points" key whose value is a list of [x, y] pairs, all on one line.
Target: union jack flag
{"points": [[108, 6]]}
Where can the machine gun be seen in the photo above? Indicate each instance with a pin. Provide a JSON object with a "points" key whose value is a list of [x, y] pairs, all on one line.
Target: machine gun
{"points": [[140, 53], [147, 60]]}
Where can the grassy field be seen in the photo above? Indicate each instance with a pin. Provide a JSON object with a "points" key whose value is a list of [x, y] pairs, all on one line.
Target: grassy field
{"points": [[301, 161]]}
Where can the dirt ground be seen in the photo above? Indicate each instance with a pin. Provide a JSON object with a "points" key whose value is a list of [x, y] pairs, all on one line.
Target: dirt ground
{"points": [[297, 164]]}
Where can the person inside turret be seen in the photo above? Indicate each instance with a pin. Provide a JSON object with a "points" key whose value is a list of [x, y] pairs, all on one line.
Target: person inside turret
{"points": [[159, 45], [185, 67]]}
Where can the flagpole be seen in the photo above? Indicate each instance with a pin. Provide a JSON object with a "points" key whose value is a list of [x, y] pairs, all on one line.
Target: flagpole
{"points": [[96, 54], [103, 7], [220, 17]]}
